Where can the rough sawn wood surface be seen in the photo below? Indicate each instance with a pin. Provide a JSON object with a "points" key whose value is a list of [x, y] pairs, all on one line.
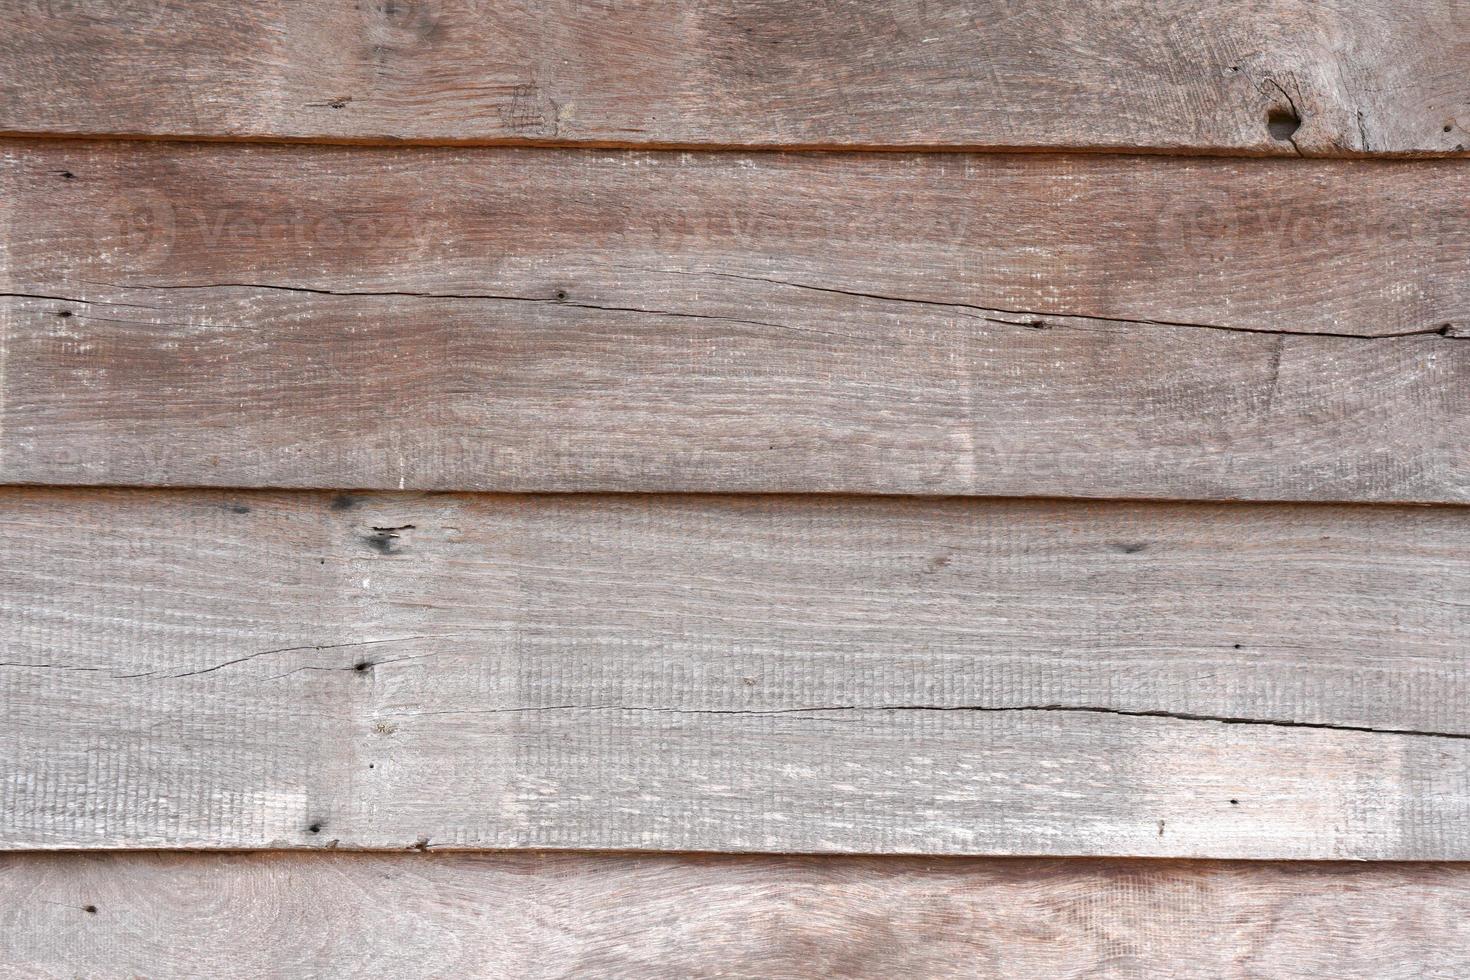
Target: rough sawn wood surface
{"points": [[227, 670]]}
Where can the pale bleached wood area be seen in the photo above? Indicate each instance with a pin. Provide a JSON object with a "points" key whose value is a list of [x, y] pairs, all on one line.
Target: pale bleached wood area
{"points": [[884, 323], [698, 673], [678, 916], [1318, 77]]}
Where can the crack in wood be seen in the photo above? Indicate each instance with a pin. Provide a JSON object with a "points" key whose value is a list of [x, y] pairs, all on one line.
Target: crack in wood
{"points": [[758, 712], [987, 709], [1447, 331], [1440, 330]]}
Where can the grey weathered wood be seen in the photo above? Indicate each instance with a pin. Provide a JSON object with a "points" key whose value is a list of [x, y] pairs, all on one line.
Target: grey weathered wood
{"points": [[558, 320], [210, 669], [1186, 75], [674, 916]]}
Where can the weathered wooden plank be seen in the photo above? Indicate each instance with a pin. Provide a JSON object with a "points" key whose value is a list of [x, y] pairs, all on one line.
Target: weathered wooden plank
{"points": [[559, 320], [1294, 76], [207, 669], [677, 916]]}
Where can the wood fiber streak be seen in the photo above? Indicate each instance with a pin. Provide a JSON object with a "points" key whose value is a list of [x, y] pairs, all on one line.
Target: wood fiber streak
{"points": [[1335, 76], [550, 320], [802, 674], [677, 916]]}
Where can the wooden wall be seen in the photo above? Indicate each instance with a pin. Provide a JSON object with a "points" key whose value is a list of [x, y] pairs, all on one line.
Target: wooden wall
{"points": [[679, 916], [1013, 454]]}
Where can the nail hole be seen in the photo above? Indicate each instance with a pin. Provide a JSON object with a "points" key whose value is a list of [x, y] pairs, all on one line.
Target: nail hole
{"points": [[68, 175], [315, 828], [361, 667], [1449, 127], [90, 909], [561, 295], [1235, 803], [64, 314], [1282, 123]]}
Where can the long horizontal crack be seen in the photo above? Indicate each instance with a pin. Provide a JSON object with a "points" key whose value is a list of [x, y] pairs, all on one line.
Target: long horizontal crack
{"points": [[808, 710], [1008, 709], [984, 312], [1442, 330], [411, 294]]}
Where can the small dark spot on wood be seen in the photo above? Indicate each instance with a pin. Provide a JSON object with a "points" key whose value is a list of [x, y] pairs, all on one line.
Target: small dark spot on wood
{"points": [[1161, 828], [1283, 123], [380, 541], [384, 539], [338, 103], [1234, 69], [1237, 646], [345, 501], [315, 828], [68, 175], [238, 508], [1449, 127], [363, 666], [938, 562], [64, 314], [422, 844], [561, 295], [1235, 803], [372, 765], [1130, 547], [89, 909], [1036, 324]]}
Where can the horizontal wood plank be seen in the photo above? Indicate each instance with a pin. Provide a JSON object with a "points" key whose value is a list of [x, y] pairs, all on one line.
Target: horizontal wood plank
{"points": [[677, 916], [543, 320], [1288, 77], [795, 674]]}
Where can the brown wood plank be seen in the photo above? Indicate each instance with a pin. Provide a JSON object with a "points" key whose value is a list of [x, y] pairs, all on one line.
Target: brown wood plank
{"points": [[679, 916], [1188, 75], [485, 319], [221, 670]]}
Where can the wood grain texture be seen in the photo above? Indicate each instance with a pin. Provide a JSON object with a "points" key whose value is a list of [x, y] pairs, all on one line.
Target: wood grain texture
{"points": [[675, 916], [1187, 75], [803, 674], [502, 319]]}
